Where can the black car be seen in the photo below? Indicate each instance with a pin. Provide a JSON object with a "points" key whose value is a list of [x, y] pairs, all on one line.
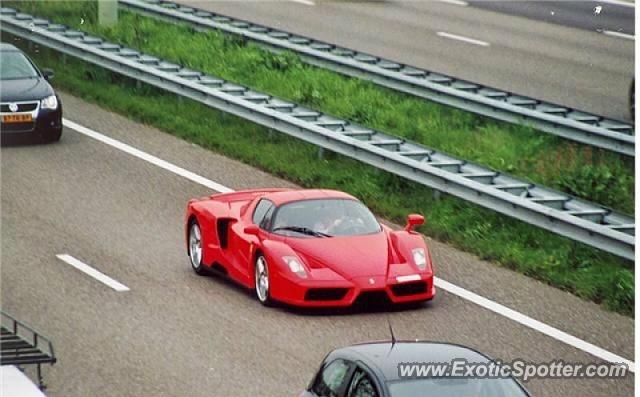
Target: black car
{"points": [[372, 370], [28, 104]]}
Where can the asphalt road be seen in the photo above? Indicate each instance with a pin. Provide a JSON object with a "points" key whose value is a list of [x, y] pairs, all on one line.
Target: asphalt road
{"points": [[574, 67], [595, 16], [176, 334]]}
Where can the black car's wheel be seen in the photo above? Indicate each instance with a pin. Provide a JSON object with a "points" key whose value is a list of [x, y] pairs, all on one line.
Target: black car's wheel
{"points": [[53, 136], [261, 275], [195, 248]]}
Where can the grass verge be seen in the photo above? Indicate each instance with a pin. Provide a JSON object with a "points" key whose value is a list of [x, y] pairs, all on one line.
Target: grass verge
{"points": [[563, 263], [593, 174]]}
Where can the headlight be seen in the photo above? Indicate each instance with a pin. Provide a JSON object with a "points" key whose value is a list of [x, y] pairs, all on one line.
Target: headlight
{"points": [[50, 102], [295, 266], [419, 258]]}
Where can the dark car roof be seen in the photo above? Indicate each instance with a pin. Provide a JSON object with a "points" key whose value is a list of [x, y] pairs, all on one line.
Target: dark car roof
{"points": [[385, 359], [8, 47]]}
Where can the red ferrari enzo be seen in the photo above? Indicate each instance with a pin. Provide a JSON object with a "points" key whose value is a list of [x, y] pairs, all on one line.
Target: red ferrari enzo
{"points": [[307, 247]]}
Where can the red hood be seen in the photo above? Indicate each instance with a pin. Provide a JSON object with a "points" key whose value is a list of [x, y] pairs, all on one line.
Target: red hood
{"points": [[352, 256]]}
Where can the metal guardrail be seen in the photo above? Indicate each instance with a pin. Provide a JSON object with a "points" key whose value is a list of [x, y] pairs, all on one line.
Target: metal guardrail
{"points": [[22, 345], [559, 120], [571, 217]]}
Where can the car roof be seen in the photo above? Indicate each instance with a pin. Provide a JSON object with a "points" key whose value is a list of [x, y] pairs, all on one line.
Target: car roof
{"points": [[384, 356], [287, 196], [8, 47]]}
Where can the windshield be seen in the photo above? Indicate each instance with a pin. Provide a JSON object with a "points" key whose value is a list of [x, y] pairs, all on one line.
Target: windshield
{"points": [[15, 65], [324, 218], [455, 387]]}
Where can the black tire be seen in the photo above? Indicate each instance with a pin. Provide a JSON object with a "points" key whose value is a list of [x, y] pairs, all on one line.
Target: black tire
{"points": [[195, 248], [52, 136], [263, 296]]}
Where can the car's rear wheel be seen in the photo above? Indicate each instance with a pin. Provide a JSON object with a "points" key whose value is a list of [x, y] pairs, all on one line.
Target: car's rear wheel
{"points": [[195, 248], [261, 274]]}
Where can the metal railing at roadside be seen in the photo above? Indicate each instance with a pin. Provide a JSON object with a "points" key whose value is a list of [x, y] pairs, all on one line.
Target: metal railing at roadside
{"points": [[21, 345], [580, 220], [614, 135]]}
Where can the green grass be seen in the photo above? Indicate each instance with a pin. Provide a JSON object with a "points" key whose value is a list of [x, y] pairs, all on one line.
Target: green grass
{"points": [[595, 175], [586, 272]]}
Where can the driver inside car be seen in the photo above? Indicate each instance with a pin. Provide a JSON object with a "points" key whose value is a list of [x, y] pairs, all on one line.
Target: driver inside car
{"points": [[327, 221], [333, 223]]}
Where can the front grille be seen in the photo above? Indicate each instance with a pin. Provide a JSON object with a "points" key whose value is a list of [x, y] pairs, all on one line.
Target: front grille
{"points": [[372, 299], [325, 294], [17, 127], [415, 288], [22, 107]]}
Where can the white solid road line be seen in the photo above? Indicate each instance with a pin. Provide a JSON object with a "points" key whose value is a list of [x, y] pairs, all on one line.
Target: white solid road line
{"points": [[147, 157], [451, 288], [305, 2], [532, 323], [455, 2], [463, 38], [618, 34], [622, 3], [83, 267]]}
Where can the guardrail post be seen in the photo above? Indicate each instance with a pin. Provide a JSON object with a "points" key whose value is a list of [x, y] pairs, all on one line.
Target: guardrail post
{"points": [[40, 378], [107, 12]]}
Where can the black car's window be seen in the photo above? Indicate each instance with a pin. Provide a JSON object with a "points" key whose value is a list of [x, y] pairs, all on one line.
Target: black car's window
{"points": [[15, 65], [361, 385], [261, 210], [450, 387], [329, 382], [333, 217]]}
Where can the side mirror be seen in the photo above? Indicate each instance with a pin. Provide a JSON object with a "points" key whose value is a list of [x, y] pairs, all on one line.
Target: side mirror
{"points": [[252, 230], [47, 74], [413, 220]]}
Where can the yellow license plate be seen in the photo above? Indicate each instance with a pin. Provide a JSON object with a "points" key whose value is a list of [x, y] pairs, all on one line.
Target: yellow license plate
{"points": [[17, 118]]}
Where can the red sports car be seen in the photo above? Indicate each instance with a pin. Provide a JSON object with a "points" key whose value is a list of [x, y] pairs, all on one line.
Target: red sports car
{"points": [[307, 247]]}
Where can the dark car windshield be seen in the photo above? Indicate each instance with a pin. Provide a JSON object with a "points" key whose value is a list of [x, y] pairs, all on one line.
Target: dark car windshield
{"points": [[324, 218], [455, 387], [15, 65]]}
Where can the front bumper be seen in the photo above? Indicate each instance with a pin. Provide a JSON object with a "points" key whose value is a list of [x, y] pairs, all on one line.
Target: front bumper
{"points": [[319, 293], [45, 122]]}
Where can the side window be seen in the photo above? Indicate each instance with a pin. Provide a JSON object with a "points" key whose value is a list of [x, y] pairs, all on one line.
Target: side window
{"points": [[265, 224], [331, 379], [361, 385], [261, 210]]}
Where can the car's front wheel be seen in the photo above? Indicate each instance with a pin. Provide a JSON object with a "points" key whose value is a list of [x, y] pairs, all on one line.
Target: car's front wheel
{"points": [[53, 137], [195, 248], [261, 274]]}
